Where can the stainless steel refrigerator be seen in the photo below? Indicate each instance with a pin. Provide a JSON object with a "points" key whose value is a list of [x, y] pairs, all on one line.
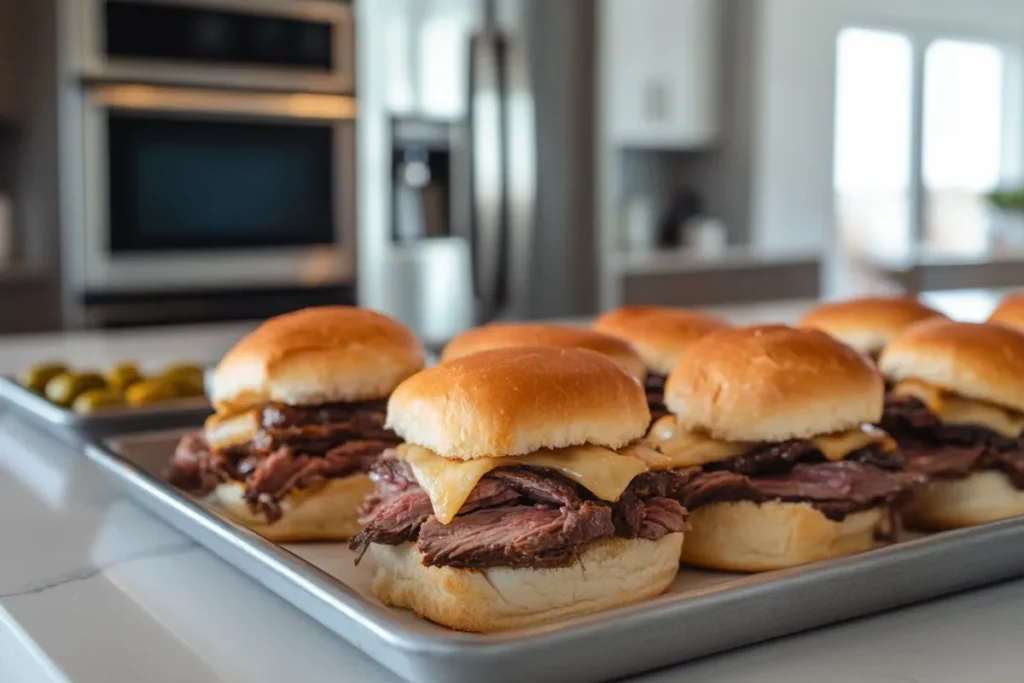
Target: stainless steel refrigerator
{"points": [[475, 160]]}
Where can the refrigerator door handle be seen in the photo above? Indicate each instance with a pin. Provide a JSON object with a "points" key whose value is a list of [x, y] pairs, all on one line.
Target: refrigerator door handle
{"points": [[521, 173], [488, 171]]}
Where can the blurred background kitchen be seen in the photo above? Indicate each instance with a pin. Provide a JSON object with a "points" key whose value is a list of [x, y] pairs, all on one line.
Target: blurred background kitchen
{"points": [[452, 161]]}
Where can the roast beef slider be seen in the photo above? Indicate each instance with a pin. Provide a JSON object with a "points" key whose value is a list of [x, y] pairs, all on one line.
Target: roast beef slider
{"points": [[300, 411]]}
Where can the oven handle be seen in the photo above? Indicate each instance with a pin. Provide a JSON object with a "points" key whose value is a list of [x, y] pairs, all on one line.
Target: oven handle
{"points": [[294, 106]]}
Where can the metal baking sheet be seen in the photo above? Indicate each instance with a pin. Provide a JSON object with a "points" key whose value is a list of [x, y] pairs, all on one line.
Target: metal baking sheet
{"points": [[71, 425], [703, 613]]}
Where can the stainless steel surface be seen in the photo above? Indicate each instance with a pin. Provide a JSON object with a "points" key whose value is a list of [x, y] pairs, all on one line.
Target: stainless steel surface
{"points": [[181, 271], [486, 118], [91, 62], [477, 65], [704, 612], [72, 426]]}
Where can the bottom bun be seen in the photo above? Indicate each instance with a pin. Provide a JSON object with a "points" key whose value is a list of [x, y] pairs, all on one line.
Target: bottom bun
{"points": [[325, 513], [750, 537], [982, 497], [609, 573]]}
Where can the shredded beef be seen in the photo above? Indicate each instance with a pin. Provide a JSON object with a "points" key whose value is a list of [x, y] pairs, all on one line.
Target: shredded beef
{"points": [[538, 486], [283, 471], [194, 467], [836, 488], [629, 511], [296, 447], [878, 456], [514, 536], [517, 517], [655, 388], [662, 516], [950, 451], [1011, 462], [767, 457]]}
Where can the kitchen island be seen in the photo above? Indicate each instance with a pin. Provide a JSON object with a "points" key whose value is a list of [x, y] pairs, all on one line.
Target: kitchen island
{"points": [[95, 590]]}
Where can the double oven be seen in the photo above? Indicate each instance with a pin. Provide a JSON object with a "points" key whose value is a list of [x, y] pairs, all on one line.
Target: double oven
{"points": [[210, 147]]}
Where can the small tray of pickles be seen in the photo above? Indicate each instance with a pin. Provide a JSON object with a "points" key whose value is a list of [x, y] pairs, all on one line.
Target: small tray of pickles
{"points": [[116, 400]]}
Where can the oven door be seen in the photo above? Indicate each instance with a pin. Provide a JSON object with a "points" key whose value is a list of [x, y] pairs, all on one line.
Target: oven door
{"points": [[199, 189]]}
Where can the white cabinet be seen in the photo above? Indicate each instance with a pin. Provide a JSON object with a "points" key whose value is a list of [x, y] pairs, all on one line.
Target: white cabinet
{"points": [[659, 63]]}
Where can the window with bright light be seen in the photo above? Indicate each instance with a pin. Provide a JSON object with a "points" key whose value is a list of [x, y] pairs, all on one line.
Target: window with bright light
{"points": [[872, 141], [962, 143]]}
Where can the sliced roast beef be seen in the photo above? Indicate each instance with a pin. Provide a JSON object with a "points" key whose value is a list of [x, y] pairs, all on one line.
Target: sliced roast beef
{"points": [[282, 471], [719, 486], [907, 418], [846, 481], [767, 457], [1011, 462], [879, 456], [538, 486], [393, 521], [366, 416], [943, 461], [518, 516], [836, 488], [950, 451], [514, 536], [195, 468], [662, 516], [779, 457], [655, 388], [296, 447], [629, 511]]}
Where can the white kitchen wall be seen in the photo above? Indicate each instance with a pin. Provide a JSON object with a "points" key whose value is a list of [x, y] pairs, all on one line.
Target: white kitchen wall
{"points": [[792, 145]]}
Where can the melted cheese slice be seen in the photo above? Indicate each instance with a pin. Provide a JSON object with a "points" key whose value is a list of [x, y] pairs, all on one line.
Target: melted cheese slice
{"points": [[953, 409], [449, 482], [685, 449], [233, 430]]}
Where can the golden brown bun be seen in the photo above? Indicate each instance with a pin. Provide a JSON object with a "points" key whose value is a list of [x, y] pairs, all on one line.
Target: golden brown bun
{"points": [[979, 361], [982, 497], [608, 574], [867, 324], [516, 401], [748, 537], [317, 355], [513, 335], [659, 334], [1010, 312], [772, 383], [327, 513]]}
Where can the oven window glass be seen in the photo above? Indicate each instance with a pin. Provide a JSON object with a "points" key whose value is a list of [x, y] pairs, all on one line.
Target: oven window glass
{"points": [[207, 184], [146, 30]]}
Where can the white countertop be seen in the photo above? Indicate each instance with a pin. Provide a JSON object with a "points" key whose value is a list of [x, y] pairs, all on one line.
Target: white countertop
{"points": [[95, 590]]}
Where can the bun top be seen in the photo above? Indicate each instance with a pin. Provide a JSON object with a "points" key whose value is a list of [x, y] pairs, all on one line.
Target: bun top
{"points": [[867, 324], [519, 400], [317, 355], [659, 334], [1010, 312], [511, 335], [979, 361], [773, 383]]}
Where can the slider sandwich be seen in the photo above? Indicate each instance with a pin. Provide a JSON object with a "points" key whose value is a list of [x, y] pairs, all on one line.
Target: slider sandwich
{"points": [[519, 496], [1010, 312], [513, 335], [869, 323], [660, 336], [300, 406], [957, 410], [778, 423]]}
